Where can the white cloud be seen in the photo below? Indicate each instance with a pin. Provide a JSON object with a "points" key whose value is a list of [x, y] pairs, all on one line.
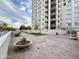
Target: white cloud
{"points": [[8, 9], [15, 25], [22, 8]]}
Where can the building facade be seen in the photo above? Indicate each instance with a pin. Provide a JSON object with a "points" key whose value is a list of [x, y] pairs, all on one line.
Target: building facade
{"points": [[44, 14], [52, 14], [38, 14], [69, 18]]}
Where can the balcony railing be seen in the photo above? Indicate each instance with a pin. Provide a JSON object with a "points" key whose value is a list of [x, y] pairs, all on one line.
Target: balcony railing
{"points": [[52, 2], [53, 7], [53, 10], [53, 19], [46, 11], [53, 13], [46, 6]]}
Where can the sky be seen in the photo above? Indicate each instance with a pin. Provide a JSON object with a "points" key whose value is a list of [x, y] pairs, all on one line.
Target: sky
{"points": [[15, 12]]}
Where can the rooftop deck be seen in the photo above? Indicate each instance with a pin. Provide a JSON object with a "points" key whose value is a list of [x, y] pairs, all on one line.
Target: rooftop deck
{"points": [[45, 47]]}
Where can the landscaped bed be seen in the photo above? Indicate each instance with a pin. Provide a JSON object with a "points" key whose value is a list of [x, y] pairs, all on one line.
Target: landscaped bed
{"points": [[17, 34], [73, 35], [22, 43], [35, 33]]}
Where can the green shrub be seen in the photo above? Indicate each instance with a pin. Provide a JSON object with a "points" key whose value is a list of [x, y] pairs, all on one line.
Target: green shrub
{"points": [[36, 34], [23, 42], [73, 33], [17, 34]]}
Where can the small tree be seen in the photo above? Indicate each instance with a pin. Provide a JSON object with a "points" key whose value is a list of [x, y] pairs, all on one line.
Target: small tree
{"points": [[22, 27]]}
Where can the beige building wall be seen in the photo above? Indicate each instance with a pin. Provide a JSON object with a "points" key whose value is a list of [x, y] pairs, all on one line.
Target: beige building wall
{"points": [[44, 14]]}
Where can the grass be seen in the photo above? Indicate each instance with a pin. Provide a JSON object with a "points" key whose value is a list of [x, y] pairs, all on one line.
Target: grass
{"points": [[35, 34]]}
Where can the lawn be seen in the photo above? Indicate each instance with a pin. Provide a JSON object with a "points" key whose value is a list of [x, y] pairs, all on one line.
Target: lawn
{"points": [[35, 34]]}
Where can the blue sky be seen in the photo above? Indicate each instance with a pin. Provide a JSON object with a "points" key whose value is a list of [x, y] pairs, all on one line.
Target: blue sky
{"points": [[15, 12]]}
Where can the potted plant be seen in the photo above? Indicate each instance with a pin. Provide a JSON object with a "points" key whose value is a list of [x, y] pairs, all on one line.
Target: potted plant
{"points": [[22, 43], [73, 35]]}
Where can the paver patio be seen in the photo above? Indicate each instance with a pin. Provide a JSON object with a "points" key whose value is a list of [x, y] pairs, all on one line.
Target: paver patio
{"points": [[45, 47]]}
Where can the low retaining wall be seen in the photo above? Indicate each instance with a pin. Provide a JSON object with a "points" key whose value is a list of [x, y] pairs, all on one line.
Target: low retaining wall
{"points": [[4, 44], [48, 32]]}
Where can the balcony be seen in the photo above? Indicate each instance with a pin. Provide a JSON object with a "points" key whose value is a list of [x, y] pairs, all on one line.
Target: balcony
{"points": [[53, 5], [46, 17], [53, 16], [53, 25], [53, 13], [46, 12], [46, 9], [46, 1], [46, 27], [53, 19], [53, 10], [53, 2], [46, 21], [46, 6]]}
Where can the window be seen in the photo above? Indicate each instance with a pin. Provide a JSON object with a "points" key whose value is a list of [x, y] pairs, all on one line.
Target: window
{"points": [[59, 1], [77, 7], [76, 23], [69, 24], [69, 1]]}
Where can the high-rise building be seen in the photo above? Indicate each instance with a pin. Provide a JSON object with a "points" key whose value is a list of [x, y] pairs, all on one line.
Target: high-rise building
{"points": [[70, 14], [44, 14], [52, 14], [38, 14]]}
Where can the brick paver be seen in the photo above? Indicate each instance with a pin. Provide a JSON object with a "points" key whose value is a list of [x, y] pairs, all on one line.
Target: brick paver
{"points": [[45, 47]]}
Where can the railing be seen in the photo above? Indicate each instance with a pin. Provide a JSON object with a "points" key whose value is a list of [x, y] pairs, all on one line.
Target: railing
{"points": [[4, 44]]}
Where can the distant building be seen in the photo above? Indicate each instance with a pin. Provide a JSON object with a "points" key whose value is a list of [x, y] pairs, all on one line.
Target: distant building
{"points": [[44, 14], [69, 10]]}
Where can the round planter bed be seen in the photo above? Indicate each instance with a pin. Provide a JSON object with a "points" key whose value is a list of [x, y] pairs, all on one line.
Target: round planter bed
{"points": [[22, 44]]}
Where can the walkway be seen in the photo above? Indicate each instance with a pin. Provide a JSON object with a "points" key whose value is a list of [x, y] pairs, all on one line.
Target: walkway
{"points": [[45, 47]]}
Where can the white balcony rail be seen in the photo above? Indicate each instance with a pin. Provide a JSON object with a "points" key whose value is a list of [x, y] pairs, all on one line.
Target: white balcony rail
{"points": [[4, 44]]}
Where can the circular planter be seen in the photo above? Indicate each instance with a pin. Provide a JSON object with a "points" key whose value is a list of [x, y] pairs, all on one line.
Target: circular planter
{"points": [[22, 46]]}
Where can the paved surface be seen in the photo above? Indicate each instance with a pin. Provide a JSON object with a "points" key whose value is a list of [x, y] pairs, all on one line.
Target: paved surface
{"points": [[45, 47]]}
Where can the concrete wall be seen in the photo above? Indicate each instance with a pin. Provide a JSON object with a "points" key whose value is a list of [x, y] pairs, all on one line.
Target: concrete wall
{"points": [[4, 43]]}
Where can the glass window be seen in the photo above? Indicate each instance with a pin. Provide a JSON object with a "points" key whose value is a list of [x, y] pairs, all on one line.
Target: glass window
{"points": [[69, 24], [76, 23]]}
